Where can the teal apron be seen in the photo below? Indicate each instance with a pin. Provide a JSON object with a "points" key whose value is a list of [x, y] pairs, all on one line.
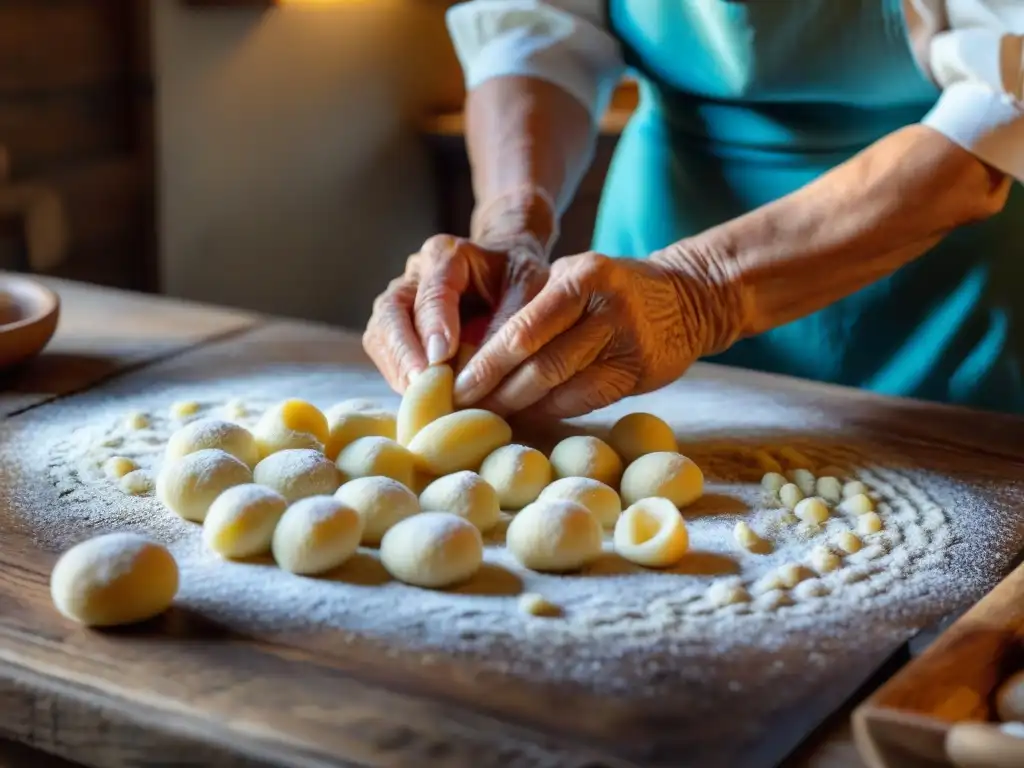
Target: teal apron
{"points": [[744, 102]]}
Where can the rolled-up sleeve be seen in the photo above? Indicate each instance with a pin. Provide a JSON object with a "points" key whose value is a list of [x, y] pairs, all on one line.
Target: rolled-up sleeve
{"points": [[563, 42], [977, 58]]}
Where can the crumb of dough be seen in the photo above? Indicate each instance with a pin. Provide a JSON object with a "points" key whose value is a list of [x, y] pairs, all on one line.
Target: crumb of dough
{"points": [[533, 604]]}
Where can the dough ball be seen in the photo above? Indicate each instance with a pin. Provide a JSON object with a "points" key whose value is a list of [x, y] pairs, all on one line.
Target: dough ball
{"points": [[602, 501], [117, 467], [1010, 699], [381, 502], [554, 536], [749, 539], [652, 533], [824, 560], [813, 511], [427, 399], [184, 408], [533, 604], [854, 488], [297, 473], [316, 534], [241, 521], [669, 476], [465, 494], [518, 473], [586, 456], [723, 593], [347, 423], [432, 549], [136, 483], [289, 425], [860, 504], [638, 434], [804, 480], [136, 420], [369, 456], [214, 433], [830, 489], [117, 578], [869, 523], [791, 574], [458, 441], [849, 542], [188, 486], [790, 495], [773, 482], [767, 462]]}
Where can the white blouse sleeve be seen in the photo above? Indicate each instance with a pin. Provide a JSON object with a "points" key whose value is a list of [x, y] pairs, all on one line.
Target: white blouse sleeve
{"points": [[976, 55], [564, 42]]}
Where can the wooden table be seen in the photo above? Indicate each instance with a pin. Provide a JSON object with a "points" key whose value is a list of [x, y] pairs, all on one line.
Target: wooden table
{"points": [[64, 681]]}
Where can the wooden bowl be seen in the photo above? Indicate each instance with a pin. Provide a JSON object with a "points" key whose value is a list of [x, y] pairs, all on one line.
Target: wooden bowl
{"points": [[28, 318]]}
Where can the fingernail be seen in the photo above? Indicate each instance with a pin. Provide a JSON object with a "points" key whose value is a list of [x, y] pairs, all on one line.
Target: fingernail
{"points": [[464, 383], [437, 349]]}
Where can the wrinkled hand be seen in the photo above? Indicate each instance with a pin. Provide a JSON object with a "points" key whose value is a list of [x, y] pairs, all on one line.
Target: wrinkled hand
{"points": [[601, 329], [416, 322]]}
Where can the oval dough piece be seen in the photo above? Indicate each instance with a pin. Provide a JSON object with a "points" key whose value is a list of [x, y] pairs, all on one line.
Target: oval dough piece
{"points": [[830, 489], [136, 483], [586, 456], [652, 533], [369, 456], [316, 534], [669, 476], [804, 479], [749, 539], [117, 578], [602, 501], [554, 536], [136, 420], [854, 488], [849, 542], [812, 510], [432, 550], [241, 521], [188, 486], [117, 467], [790, 495], [427, 399], [533, 604], [860, 504], [773, 482], [214, 433], [289, 425], [381, 502], [869, 523], [347, 423], [459, 441], [297, 473], [466, 495], [638, 434], [518, 473], [184, 408]]}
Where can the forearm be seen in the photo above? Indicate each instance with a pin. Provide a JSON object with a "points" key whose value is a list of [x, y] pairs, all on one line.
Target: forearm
{"points": [[529, 144], [854, 225]]}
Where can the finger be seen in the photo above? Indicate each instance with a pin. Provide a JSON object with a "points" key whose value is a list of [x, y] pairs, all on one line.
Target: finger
{"points": [[553, 311], [444, 278], [524, 282], [391, 340], [555, 364], [602, 384]]}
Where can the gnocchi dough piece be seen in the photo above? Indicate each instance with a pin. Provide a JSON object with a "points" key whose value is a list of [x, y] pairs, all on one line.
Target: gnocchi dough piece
{"points": [[214, 433], [241, 521], [869, 523], [796, 459], [723, 593], [458, 441], [790, 495], [465, 494], [1010, 699], [369, 456], [849, 542], [603, 502], [432, 550], [804, 480], [117, 578], [669, 476], [188, 485], [297, 473], [854, 488], [830, 489], [652, 533], [586, 456], [860, 504], [792, 574], [347, 423], [824, 560], [533, 604], [813, 511], [427, 399], [184, 408], [518, 473], [554, 536], [136, 483], [767, 462], [638, 434], [291, 424], [316, 534], [117, 467], [136, 420], [773, 482], [381, 503], [749, 539]]}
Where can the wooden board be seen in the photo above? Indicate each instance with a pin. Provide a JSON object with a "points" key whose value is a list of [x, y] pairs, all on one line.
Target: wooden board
{"points": [[105, 331]]}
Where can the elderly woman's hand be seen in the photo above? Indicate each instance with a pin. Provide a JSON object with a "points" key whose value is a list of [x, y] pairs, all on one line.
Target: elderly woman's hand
{"points": [[416, 321], [603, 329]]}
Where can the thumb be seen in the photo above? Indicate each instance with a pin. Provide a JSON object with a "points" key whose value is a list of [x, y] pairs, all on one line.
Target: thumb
{"points": [[444, 278]]}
